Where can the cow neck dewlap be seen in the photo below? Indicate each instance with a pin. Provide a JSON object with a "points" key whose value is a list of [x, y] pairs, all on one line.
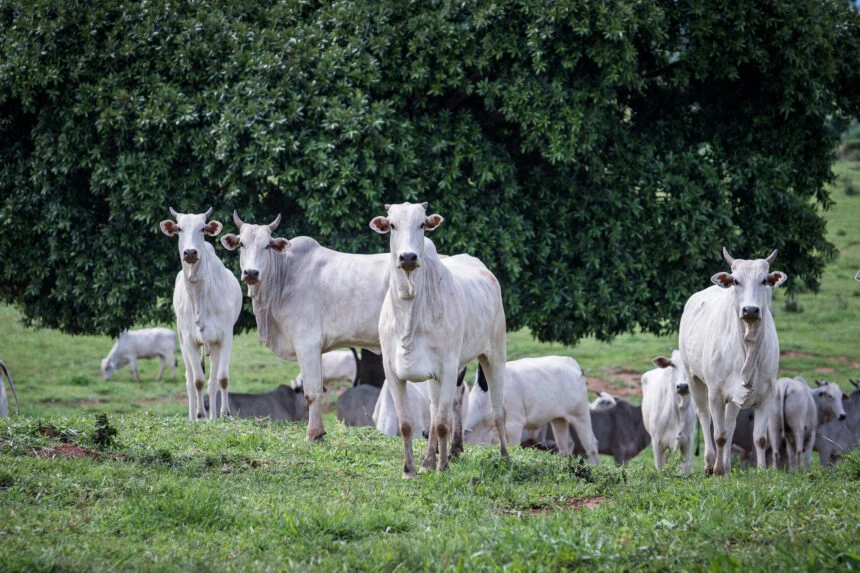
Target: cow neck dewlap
{"points": [[752, 336], [417, 296], [197, 287], [270, 293]]}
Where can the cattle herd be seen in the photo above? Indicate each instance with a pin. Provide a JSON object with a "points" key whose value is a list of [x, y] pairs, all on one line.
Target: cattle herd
{"points": [[429, 315]]}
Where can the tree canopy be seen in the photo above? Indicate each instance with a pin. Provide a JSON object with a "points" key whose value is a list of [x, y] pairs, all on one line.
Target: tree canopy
{"points": [[595, 155]]}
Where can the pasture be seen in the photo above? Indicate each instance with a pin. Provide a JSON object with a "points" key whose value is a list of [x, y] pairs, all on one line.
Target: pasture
{"points": [[253, 495]]}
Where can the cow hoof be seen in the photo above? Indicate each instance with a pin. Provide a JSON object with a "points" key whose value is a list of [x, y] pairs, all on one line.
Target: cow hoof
{"points": [[455, 453], [709, 471], [317, 439]]}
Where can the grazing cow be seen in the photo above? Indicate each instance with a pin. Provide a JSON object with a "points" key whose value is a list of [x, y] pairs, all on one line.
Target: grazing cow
{"points": [[620, 432], [418, 402], [604, 401], [730, 348], [667, 410], [355, 406], [4, 399], [207, 300], [144, 343], [438, 314], [336, 365], [308, 300], [837, 437], [282, 403], [538, 391]]}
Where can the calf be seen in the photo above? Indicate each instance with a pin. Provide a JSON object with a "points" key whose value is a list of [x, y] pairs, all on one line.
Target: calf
{"points": [[336, 365], [620, 432], [144, 343], [840, 436], [355, 406], [282, 403], [538, 391], [437, 316], [4, 399], [207, 300], [791, 430], [667, 410]]}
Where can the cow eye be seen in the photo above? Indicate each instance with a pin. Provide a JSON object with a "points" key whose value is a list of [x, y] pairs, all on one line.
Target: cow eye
{"points": [[764, 282], [737, 284], [421, 226], [267, 246], [241, 244], [392, 226], [178, 229]]}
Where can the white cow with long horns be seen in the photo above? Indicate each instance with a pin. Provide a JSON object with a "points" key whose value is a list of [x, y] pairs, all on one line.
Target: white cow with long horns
{"points": [[207, 300], [438, 315], [730, 349]]}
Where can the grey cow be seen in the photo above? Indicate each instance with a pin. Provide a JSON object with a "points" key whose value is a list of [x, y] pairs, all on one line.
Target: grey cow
{"points": [[840, 436], [355, 406], [620, 433], [144, 343], [282, 403]]}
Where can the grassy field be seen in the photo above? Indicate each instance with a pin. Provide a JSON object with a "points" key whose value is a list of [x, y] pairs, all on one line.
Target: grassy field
{"points": [[171, 494]]}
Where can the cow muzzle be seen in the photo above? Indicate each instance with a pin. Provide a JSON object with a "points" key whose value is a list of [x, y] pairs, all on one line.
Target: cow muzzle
{"points": [[682, 389], [408, 261], [190, 256], [250, 276], [751, 313], [842, 416]]}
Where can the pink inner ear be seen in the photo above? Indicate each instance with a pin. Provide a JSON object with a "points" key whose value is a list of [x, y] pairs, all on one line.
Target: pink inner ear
{"points": [[212, 228]]}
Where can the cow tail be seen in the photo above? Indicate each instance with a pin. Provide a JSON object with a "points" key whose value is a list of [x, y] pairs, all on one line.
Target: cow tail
{"points": [[357, 367], [698, 436], [461, 376], [12, 386], [482, 380]]}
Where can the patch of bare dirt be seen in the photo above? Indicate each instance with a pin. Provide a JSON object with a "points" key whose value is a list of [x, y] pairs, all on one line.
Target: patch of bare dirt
{"points": [[48, 431], [175, 398], [632, 386], [825, 370], [66, 451], [573, 504]]}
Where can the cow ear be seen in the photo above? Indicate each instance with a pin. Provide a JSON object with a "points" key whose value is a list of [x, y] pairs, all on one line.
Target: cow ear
{"points": [[279, 245], [662, 362], [723, 280], [212, 228], [844, 396], [776, 278], [380, 225], [432, 222], [169, 228], [230, 242]]}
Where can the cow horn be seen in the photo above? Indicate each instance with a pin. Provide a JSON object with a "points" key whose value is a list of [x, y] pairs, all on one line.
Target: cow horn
{"points": [[820, 383], [274, 224], [425, 205], [237, 220], [174, 213], [772, 257], [728, 257], [854, 383], [208, 213]]}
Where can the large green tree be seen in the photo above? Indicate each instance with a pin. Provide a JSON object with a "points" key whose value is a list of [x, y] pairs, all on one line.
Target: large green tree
{"points": [[595, 154]]}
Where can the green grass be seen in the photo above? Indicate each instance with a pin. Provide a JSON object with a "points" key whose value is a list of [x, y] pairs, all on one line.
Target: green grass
{"points": [[254, 496]]}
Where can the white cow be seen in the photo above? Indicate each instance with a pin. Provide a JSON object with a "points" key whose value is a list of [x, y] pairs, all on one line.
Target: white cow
{"points": [[538, 391], [418, 402], [604, 401], [207, 300], [309, 300], [667, 410], [143, 343], [4, 399], [438, 315], [336, 365], [730, 348]]}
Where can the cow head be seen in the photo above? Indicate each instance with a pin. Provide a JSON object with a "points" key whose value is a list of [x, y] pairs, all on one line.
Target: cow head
{"points": [[750, 282], [828, 398], [257, 246], [407, 223], [674, 368], [604, 401], [192, 229], [107, 369], [109, 364]]}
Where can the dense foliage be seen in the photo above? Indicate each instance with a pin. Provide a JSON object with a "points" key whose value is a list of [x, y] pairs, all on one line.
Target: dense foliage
{"points": [[595, 155]]}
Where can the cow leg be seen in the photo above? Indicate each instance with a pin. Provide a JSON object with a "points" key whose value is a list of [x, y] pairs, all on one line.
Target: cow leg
{"points": [[397, 388], [494, 371], [310, 364], [458, 413], [132, 365], [760, 425], [214, 360], [722, 438], [685, 448], [659, 454], [564, 441], [445, 411], [700, 396], [173, 365], [434, 391], [775, 438], [807, 450], [223, 367], [193, 379], [163, 362], [582, 424]]}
